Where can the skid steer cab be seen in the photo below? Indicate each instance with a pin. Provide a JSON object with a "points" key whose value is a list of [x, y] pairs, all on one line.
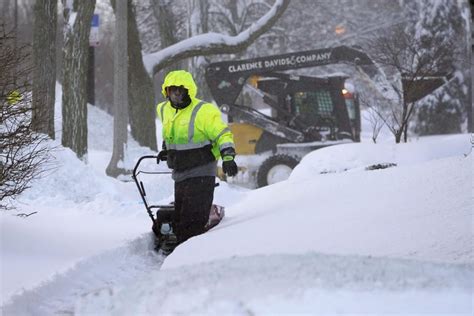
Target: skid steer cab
{"points": [[162, 214], [278, 117]]}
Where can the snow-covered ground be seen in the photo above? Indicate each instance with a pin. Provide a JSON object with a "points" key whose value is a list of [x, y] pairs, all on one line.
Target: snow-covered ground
{"points": [[334, 238]]}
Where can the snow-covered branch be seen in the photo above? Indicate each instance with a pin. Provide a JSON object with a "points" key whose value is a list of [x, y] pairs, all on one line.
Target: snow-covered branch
{"points": [[214, 43]]}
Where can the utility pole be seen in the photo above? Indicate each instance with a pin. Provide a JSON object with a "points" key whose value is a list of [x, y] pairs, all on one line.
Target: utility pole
{"points": [[93, 43]]}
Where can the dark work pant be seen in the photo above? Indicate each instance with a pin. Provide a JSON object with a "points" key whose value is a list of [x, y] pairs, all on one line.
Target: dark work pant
{"points": [[192, 200]]}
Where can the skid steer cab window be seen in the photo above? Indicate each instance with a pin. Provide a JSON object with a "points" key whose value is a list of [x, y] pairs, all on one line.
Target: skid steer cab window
{"points": [[314, 105]]}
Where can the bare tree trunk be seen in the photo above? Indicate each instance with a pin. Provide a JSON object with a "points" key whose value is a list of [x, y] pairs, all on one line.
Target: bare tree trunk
{"points": [[204, 15], [232, 5], [120, 90], [398, 136], [44, 78], [403, 123], [142, 96], [405, 133], [470, 127], [5, 6], [15, 21], [140, 87], [164, 16], [77, 27], [196, 63]]}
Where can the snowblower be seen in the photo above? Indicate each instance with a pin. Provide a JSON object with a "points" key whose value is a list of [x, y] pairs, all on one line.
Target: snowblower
{"points": [[162, 221]]}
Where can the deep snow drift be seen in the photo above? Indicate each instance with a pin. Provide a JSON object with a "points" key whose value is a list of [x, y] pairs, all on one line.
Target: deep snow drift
{"points": [[333, 238]]}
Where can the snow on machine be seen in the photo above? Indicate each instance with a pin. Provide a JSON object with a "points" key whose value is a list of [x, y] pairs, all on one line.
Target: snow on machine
{"points": [[162, 221]]}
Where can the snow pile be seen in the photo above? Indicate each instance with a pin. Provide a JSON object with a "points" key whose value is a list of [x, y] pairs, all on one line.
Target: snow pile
{"points": [[290, 284], [356, 157], [71, 180], [415, 210], [299, 247]]}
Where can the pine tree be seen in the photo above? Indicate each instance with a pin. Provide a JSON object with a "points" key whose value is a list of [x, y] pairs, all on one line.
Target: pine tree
{"points": [[441, 24]]}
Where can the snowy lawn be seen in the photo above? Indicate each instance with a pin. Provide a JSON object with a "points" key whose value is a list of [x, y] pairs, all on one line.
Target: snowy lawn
{"points": [[333, 238]]}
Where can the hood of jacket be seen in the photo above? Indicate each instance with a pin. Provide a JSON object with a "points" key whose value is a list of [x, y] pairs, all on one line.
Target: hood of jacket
{"points": [[180, 78]]}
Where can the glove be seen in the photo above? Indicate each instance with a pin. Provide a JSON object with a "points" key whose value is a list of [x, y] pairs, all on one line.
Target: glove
{"points": [[163, 154], [229, 166]]}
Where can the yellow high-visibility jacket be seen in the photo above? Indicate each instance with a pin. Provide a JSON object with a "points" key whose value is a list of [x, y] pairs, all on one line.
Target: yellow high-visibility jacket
{"points": [[196, 134]]}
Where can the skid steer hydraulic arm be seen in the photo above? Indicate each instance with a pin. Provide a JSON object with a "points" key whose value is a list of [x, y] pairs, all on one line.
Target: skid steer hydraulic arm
{"points": [[226, 79]]}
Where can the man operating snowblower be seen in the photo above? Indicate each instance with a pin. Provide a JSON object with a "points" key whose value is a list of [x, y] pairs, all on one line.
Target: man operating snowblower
{"points": [[194, 138]]}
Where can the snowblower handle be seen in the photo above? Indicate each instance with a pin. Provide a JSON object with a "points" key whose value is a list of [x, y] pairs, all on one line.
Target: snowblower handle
{"points": [[139, 184], [141, 187], [138, 163]]}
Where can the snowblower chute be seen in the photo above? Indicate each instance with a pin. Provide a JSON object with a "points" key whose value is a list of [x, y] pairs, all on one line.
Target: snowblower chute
{"points": [[162, 216]]}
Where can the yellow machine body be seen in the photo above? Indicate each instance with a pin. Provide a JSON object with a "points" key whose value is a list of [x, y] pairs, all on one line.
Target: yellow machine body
{"points": [[246, 137]]}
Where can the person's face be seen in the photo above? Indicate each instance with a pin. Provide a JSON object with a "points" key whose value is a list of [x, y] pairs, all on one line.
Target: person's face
{"points": [[176, 94]]}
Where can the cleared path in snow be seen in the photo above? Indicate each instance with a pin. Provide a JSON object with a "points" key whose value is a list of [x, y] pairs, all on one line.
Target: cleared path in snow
{"points": [[127, 281], [111, 269]]}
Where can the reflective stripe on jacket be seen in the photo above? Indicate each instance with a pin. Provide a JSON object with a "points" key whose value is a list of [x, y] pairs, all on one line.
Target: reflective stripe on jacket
{"points": [[196, 134]]}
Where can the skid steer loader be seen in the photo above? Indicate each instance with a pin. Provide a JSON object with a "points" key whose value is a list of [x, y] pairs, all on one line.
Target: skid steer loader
{"points": [[303, 113]]}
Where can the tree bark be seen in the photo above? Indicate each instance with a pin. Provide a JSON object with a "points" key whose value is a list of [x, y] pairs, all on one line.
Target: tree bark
{"points": [[405, 133], [44, 75], [141, 105], [164, 15], [5, 6], [204, 15], [470, 127], [142, 101], [75, 61], [398, 136], [120, 90]]}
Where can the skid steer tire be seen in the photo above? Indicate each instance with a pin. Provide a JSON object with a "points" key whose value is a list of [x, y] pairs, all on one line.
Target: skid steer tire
{"points": [[275, 169]]}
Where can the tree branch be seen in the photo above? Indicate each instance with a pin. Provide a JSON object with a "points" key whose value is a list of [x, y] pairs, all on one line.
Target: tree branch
{"points": [[214, 43]]}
